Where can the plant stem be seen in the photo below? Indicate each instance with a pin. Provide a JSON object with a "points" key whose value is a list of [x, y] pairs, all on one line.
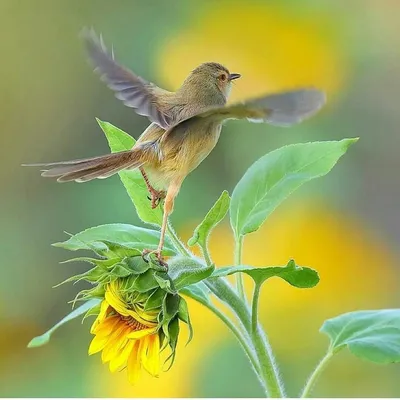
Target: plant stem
{"points": [[269, 371], [238, 261], [264, 367], [177, 242], [247, 347], [206, 254], [316, 374], [254, 307]]}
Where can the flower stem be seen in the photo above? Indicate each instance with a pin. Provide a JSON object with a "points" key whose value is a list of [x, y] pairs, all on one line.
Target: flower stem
{"points": [[316, 374], [269, 371], [247, 347], [254, 308], [238, 261], [177, 242]]}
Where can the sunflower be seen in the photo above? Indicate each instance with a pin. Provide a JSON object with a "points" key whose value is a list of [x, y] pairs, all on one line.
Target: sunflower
{"points": [[126, 334]]}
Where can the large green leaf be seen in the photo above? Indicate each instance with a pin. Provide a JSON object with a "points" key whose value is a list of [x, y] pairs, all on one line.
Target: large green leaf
{"points": [[185, 271], [123, 235], [84, 308], [370, 335], [301, 277], [213, 218], [119, 140], [272, 178]]}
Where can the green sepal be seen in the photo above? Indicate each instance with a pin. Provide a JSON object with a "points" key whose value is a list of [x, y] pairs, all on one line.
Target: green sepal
{"points": [[120, 271], [183, 315], [155, 300], [185, 271], [137, 265], [173, 334]]}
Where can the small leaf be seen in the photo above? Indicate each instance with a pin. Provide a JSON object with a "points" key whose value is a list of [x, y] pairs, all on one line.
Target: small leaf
{"points": [[370, 335], [183, 315], [211, 220], [124, 235], [301, 277], [135, 186], [185, 271], [272, 178], [84, 308], [197, 291]]}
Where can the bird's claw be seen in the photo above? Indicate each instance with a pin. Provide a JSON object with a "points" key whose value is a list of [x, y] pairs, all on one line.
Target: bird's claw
{"points": [[157, 253], [156, 197]]}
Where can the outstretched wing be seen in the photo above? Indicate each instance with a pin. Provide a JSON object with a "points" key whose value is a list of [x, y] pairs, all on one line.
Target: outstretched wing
{"points": [[281, 109], [133, 90]]}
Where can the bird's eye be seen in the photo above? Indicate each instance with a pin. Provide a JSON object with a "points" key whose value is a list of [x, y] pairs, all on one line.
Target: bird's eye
{"points": [[222, 77]]}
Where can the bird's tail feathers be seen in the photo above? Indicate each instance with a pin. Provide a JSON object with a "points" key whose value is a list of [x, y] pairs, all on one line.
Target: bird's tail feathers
{"points": [[91, 168]]}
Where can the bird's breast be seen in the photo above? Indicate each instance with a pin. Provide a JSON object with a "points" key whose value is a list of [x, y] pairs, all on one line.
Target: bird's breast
{"points": [[184, 150]]}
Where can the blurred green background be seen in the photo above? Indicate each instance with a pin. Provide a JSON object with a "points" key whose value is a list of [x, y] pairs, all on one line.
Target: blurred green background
{"points": [[346, 225]]}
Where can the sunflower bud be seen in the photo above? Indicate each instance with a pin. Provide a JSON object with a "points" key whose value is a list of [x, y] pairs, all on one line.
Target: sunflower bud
{"points": [[138, 315]]}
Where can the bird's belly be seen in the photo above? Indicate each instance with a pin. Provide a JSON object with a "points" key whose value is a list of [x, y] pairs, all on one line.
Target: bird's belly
{"points": [[181, 158]]}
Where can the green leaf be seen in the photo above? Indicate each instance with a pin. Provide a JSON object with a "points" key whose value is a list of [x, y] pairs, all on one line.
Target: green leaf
{"points": [[370, 335], [135, 186], [84, 308], [211, 220], [124, 235], [272, 178], [185, 271], [301, 277], [197, 291]]}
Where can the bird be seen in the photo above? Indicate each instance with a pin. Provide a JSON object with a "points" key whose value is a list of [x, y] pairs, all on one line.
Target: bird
{"points": [[185, 125]]}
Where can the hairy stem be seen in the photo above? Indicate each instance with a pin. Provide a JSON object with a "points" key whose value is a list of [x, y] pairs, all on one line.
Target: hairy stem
{"points": [[269, 370], [312, 380], [259, 352], [238, 261], [176, 241], [254, 308]]}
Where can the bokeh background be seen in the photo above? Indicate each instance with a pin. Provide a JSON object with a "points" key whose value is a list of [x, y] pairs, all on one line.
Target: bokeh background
{"points": [[347, 225]]}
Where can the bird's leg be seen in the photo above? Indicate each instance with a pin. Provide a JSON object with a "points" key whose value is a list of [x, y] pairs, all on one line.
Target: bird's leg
{"points": [[156, 196], [172, 191]]}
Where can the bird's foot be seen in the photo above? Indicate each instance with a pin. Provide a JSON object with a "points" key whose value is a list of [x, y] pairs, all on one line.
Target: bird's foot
{"points": [[156, 197], [157, 253]]}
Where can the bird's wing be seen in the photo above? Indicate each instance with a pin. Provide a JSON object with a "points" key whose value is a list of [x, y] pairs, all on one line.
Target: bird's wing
{"points": [[281, 109], [133, 90]]}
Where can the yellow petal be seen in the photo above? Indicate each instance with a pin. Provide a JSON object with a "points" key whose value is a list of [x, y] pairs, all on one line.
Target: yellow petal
{"points": [[102, 314], [148, 318], [151, 358], [115, 341], [107, 326], [114, 300], [119, 362], [97, 344], [134, 364], [142, 333]]}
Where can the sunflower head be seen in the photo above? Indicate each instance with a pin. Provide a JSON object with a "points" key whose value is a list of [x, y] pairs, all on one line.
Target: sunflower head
{"points": [[137, 315]]}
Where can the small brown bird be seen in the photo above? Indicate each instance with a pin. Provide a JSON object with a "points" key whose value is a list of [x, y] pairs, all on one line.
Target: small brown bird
{"points": [[185, 125]]}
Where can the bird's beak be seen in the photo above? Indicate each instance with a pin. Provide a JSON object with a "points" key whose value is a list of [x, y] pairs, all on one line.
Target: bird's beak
{"points": [[234, 76]]}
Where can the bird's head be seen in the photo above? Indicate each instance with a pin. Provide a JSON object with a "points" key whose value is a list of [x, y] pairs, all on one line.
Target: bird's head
{"points": [[210, 81]]}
